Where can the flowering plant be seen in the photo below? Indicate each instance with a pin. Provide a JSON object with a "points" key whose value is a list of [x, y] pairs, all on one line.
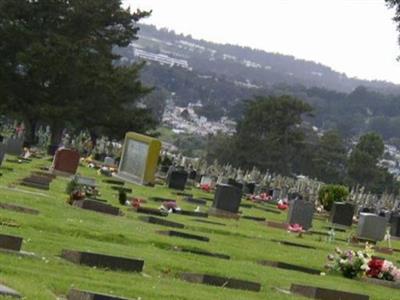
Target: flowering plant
{"points": [[383, 269], [350, 263], [263, 197], [361, 263]]}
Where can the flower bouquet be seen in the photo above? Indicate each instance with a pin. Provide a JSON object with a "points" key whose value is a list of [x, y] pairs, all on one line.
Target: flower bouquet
{"points": [[350, 263], [383, 269]]}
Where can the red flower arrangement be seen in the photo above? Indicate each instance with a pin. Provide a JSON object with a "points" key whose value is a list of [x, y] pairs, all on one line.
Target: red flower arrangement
{"points": [[205, 188]]}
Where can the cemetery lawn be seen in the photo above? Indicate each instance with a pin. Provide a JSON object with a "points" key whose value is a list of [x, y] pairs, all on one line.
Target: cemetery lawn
{"points": [[60, 226]]}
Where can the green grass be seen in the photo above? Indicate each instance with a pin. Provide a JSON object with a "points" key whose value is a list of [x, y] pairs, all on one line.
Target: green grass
{"points": [[60, 226]]}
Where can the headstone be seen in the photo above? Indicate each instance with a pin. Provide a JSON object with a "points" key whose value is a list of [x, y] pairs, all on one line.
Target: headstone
{"points": [[14, 146], [287, 266], [249, 188], [395, 225], [97, 206], [109, 161], [301, 212], [66, 162], [103, 261], [177, 179], [2, 152], [192, 175], [7, 292], [139, 159], [185, 235], [325, 294], [342, 214], [75, 294], [225, 282], [227, 198], [162, 222], [10, 242], [371, 227]]}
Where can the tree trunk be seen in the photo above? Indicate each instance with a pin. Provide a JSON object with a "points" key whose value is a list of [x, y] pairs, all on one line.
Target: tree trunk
{"points": [[55, 137]]}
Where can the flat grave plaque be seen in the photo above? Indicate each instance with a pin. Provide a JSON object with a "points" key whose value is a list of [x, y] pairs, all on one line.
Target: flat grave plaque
{"points": [[274, 211], [7, 292], [209, 222], [185, 235], [162, 222], [386, 283], [149, 211], [103, 261], [75, 294], [161, 199], [36, 182], [196, 201], [19, 209], [10, 242], [225, 282], [183, 194], [97, 206], [286, 266], [202, 252], [277, 225], [325, 294], [122, 189], [114, 181], [258, 219], [192, 213], [292, 244]]}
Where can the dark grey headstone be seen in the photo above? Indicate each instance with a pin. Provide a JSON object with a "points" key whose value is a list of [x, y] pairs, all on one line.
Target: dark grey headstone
{"points": [[286, 266], [371, 227], [103, 261], [97, 206], [7, 292], [342, 214], [325, 294], [2, 152], [162, 222], [15, 146], [249, 188], [395, 225], [301, 212], [228, 198], [75, 294], [177, 180], [10, 242], [225, 282], [185, 235]]}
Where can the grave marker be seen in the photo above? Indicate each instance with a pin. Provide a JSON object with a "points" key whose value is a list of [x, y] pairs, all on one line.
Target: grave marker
{"points": [[192, 213], [371, 227], [225, 282], [286, 266], [75, 294], [103, 261], [2, 153], [185, 235], [292, 244], [342, 214], [19, 209], [139, 159], [10, 242], [209, 222], [65, 162], [202, 252], [258, 219], [301, 212], [227, 198], [14, 146], [162, 222], [395, 225], [177, 179], [150, 211], [97, 206], [325, 294]]}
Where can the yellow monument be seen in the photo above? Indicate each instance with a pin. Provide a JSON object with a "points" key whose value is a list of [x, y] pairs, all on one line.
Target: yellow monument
{"points": [[139, 159]]}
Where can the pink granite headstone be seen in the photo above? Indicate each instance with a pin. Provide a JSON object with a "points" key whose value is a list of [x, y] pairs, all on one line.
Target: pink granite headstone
{"points": [[66, 161]]}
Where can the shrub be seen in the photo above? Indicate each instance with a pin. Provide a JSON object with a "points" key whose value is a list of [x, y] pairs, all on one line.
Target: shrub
{"points": [[332, 193]]}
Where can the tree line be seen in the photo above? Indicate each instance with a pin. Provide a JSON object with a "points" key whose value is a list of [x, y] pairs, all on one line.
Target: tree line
{"points": [[273, 136]]}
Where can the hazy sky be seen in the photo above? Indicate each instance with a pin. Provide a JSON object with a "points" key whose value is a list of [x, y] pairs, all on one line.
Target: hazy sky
{"points": [[357, 37]]}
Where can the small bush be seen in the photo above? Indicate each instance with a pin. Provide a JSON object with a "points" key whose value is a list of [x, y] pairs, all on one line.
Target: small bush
{"points": [[332, 193]]}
